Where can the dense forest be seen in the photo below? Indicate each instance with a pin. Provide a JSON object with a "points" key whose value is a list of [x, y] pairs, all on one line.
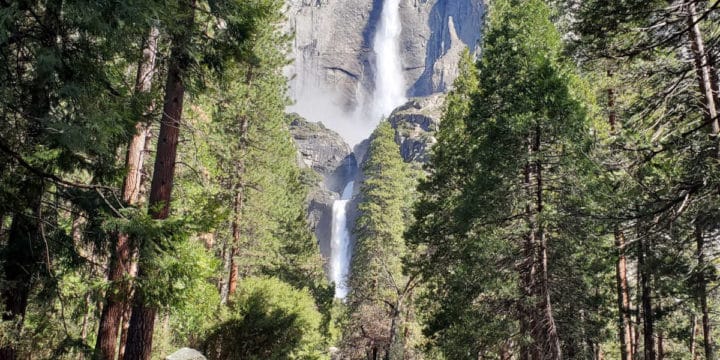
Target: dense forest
{"points": [[152, 196]]}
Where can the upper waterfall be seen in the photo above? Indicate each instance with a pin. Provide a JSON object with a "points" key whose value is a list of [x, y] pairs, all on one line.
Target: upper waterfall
{"points": [[389, 90]]}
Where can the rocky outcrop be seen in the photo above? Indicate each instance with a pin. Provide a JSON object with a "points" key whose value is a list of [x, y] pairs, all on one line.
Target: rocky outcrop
{"points": [[431, 30], [332, 163], [445, 69], [323, 151], [415, 124]]}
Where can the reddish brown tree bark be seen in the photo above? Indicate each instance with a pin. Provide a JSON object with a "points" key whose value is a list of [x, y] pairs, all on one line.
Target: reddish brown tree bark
{"points": [[142, 321], [121, 264], [239, 201]]}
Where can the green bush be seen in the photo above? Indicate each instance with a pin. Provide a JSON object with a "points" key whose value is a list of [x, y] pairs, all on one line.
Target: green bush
{"points": [[269, 319]]}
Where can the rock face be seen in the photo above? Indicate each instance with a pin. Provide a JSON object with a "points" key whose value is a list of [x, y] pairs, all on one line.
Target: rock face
{"points": [[415, 124], [324, 151], [333, 46], [186, 354], [333, 164]]}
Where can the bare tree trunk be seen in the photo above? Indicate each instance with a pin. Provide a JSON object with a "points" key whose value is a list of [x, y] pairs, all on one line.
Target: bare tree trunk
{"points": [[396, 346], [142, 321], [661, 346], [693, 336], [702, 66], [623, 293], [701, 284], [234, 271], [239, 203], [118, 297], [638, 313], [648, 320], [551, 338], [625, 322], [227, 265], [528, 269], [127, 310]]}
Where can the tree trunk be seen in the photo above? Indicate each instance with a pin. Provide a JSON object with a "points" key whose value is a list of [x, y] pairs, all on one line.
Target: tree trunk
{"points": [[224, 285], [638, 313], [396, 348], [234, 271], [693, 334], [715, 78], [239, 202], [142, 321], [647, 309], [551, 340], [118, 296], [140, 335], [702, 66], [702, 292], [527, 275], [625, 322], [506, 351], [661, 347]]}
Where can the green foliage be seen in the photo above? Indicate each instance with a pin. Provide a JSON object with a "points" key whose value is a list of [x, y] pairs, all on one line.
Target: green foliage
{"points": [[379, 289], [269, 319], [520, 112]]}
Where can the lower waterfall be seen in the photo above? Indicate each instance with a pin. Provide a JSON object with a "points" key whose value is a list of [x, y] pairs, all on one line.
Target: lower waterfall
{"points": [[340, 243], [389, 93]]}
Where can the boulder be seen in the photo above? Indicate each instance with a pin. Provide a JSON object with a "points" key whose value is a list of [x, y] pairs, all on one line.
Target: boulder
{"points": [[186, 354]]}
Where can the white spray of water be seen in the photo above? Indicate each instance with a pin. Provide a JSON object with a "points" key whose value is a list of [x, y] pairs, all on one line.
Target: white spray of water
{"points": [[389, 80], [340, 243]]}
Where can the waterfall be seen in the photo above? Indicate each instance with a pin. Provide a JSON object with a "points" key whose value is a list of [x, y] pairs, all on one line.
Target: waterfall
{"points": [[340, 243], [389, 93], [389, 80]]}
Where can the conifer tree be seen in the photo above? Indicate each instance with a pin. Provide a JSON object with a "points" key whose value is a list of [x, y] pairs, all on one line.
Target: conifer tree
{"points": [[523, 128], [381, 295]]}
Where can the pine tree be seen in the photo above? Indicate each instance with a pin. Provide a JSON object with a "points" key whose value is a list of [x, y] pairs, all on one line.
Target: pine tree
{"points": [[381, 295], [525, 134]]}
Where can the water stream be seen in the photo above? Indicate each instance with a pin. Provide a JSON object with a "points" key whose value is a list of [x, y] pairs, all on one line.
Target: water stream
{"points": [[389, 80], [340, 243]]}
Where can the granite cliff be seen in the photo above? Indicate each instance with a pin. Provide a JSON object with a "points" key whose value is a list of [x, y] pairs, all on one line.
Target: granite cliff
{"points": [[334, 60]]}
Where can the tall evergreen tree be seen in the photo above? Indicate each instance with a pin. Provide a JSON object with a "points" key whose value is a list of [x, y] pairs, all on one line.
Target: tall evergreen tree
{"points": [[509, 187], [381, 295]]}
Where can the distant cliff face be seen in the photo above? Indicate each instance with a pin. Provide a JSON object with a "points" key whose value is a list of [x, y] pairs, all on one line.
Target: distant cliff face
{"points": [[326, 154], [333, 46]]}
